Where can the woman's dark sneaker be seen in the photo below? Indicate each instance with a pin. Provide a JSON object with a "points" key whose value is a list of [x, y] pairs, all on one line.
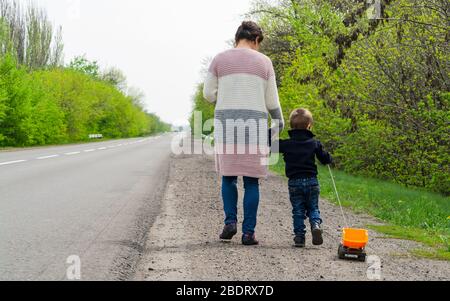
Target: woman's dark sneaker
{"points": [[249, 240], [317, 233], [229, 232], [300, 241]]}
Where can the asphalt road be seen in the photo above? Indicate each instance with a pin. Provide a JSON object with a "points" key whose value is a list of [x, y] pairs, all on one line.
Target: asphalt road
{"points": [[95, 201]]}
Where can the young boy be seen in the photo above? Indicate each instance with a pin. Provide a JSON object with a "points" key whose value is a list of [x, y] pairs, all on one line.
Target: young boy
{"points": [[300, 152]]}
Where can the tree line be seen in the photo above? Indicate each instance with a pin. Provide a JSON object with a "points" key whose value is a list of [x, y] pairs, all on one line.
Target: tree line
{"points": [[375, 77], [29, 35], [42, 101]]}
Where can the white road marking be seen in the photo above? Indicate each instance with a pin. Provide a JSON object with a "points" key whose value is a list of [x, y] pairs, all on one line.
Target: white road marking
{"points": [[12, 162], [78, 152], [47, 157], [72, 153]]}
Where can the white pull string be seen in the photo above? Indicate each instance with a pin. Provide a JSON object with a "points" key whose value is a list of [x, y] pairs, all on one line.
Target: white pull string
{"points": [[337, 194]]}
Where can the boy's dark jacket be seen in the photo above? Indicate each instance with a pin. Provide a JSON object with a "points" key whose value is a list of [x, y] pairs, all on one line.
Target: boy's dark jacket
{"points": [[300, 152]]}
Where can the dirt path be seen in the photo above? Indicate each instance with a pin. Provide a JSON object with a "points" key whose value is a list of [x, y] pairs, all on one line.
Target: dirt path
{"points": [[183, 243]]}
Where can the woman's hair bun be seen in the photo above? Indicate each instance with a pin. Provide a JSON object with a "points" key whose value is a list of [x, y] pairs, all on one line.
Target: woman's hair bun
{"points": [[247, 25]]}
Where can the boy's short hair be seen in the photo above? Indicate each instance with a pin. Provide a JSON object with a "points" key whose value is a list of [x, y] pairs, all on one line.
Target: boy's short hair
{"points": [[301, 119]]}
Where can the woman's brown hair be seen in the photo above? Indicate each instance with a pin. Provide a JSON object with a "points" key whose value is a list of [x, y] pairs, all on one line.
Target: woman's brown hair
{"points": [[251, 31]]}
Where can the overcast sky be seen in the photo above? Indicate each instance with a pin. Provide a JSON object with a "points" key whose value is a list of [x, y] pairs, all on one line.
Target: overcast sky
{"points": [[159, 44]]}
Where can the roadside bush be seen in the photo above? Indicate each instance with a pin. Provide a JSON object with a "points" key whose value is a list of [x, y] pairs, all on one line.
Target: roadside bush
{"points": [[200, 104]]}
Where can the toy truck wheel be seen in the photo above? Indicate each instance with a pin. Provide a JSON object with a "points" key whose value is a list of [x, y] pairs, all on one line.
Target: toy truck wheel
{"points": [[362, 257], [341, 252]]}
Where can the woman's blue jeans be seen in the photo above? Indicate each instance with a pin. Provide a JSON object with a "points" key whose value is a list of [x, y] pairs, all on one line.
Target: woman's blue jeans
{"points": [[251, 202]]}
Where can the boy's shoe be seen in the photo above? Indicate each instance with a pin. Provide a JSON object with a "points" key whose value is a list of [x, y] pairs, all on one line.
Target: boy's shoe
{"points": [[317, 233], [300, 241], [229, 231], [249, 240]]}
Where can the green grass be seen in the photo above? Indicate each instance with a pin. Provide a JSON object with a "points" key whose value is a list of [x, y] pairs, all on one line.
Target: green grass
{"points": [[410, 213], [439, 247]]}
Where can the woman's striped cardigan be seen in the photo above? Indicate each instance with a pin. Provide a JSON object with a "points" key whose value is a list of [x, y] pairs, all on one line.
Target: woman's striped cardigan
{"points": [[242, 83]]}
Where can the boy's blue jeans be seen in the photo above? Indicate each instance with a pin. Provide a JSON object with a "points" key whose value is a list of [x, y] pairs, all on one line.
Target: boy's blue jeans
{"points": [[304, 195], [251, 202]]}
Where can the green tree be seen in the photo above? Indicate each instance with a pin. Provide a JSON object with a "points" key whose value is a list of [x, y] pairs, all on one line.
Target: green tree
{"points": [[16, 122], [83, 65], [200, 104], [31, 35]]}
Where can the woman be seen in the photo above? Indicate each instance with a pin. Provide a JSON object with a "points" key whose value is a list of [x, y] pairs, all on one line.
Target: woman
{"points": [[242, 83]]}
